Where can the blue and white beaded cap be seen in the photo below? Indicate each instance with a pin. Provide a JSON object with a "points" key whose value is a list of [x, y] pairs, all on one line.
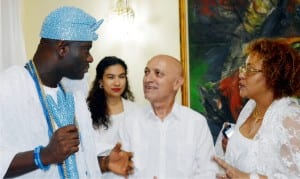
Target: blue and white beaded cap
{"points": [[70, 23]]}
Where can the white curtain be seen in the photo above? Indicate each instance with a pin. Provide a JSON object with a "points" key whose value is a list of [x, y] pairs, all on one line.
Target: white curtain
{"points": [[12, 48]]}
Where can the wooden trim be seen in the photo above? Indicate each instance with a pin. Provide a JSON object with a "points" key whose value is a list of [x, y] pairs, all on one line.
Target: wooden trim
{"points": [[184, 50]]}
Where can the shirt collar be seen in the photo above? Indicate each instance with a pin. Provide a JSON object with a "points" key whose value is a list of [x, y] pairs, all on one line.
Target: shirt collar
{"points": [[174, 114]]}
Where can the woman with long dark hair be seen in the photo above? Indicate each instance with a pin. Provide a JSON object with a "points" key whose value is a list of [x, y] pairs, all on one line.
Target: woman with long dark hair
{"points": [[109, 100]]}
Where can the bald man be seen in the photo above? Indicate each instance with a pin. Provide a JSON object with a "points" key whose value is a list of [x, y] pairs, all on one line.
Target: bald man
{"points": [[168, 140]]}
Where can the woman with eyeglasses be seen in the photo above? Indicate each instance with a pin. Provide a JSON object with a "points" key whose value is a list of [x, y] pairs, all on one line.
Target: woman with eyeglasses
{"points": [[266, 138], [109, 100]]}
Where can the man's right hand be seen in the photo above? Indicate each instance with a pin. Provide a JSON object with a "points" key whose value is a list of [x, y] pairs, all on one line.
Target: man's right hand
{"points": [[63, 143]]}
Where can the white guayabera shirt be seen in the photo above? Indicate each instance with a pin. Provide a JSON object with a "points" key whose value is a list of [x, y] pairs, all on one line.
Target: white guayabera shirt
{"points": [[275, 149], [179, 147]]}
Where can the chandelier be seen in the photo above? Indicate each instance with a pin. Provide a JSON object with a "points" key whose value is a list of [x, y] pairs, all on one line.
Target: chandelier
{"points": [[123, 9]]}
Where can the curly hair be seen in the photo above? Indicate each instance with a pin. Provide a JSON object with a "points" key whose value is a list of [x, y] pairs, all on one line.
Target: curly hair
{"points": [[281, 65], [96, 99]]}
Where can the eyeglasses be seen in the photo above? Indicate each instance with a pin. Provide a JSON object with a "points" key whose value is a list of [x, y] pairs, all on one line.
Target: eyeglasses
{"points": [[246, 69]]}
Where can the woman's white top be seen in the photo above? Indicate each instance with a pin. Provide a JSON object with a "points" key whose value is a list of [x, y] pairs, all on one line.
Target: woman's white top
{"points": [[275, 149], [106, 139]]}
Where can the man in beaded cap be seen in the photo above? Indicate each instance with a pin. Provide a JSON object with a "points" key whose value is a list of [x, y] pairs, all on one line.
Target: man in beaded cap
{"points": [[43, 121]]}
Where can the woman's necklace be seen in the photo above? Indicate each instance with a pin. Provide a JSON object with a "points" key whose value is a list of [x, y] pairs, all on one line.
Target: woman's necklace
{"points": [[257, 116]]}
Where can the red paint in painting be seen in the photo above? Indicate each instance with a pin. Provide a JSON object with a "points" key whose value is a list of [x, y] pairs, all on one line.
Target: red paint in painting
{"points": [[229, 87]]}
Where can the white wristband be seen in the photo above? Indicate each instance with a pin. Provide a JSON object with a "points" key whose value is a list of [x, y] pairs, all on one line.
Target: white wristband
{"points": [[254, 176]]}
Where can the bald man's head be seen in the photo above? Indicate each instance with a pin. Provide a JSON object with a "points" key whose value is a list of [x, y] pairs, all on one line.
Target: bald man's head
{"points": [[171, 62], [163, 78]]}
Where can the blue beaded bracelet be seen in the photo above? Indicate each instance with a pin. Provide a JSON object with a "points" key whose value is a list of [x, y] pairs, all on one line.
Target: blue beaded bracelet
{"points": [[37, 159]]}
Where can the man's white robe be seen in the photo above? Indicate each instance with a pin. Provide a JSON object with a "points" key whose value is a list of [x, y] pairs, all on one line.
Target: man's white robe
{"points": [[23, 125]]}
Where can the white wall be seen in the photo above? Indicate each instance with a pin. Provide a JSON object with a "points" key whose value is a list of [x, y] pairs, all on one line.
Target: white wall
{"points": [[155, 30]]}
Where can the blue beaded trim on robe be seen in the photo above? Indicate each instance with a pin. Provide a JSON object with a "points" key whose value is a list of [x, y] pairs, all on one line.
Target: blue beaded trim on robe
{"points": [[64, 110]]}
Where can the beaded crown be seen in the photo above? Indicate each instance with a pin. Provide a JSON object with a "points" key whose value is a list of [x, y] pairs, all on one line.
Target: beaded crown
{"points": [[70, 23]]}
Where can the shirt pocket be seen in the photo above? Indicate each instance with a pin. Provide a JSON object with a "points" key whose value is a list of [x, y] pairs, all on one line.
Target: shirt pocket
{"points": [[185, 158]]}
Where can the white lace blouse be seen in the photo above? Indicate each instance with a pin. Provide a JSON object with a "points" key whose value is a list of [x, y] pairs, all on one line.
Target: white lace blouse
{"points": [[275, 149]]}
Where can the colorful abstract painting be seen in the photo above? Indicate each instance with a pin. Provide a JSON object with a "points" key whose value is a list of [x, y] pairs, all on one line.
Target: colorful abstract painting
{"points": [[217, 32]]}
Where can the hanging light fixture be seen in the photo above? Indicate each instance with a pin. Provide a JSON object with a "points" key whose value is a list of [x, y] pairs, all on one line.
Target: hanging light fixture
{"points": [[121, 19], [123, 9]]}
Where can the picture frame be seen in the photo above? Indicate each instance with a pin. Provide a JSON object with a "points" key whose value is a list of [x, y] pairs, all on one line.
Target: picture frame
{"points": [[212, 37], [184, 50]]}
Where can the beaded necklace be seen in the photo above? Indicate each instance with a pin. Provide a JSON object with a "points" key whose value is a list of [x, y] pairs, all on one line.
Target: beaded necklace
{"points": [[68, 168]]}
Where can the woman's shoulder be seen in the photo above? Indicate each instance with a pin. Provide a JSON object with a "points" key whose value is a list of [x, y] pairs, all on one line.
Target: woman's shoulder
{"points": [[286, 106], [130, 105]]}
